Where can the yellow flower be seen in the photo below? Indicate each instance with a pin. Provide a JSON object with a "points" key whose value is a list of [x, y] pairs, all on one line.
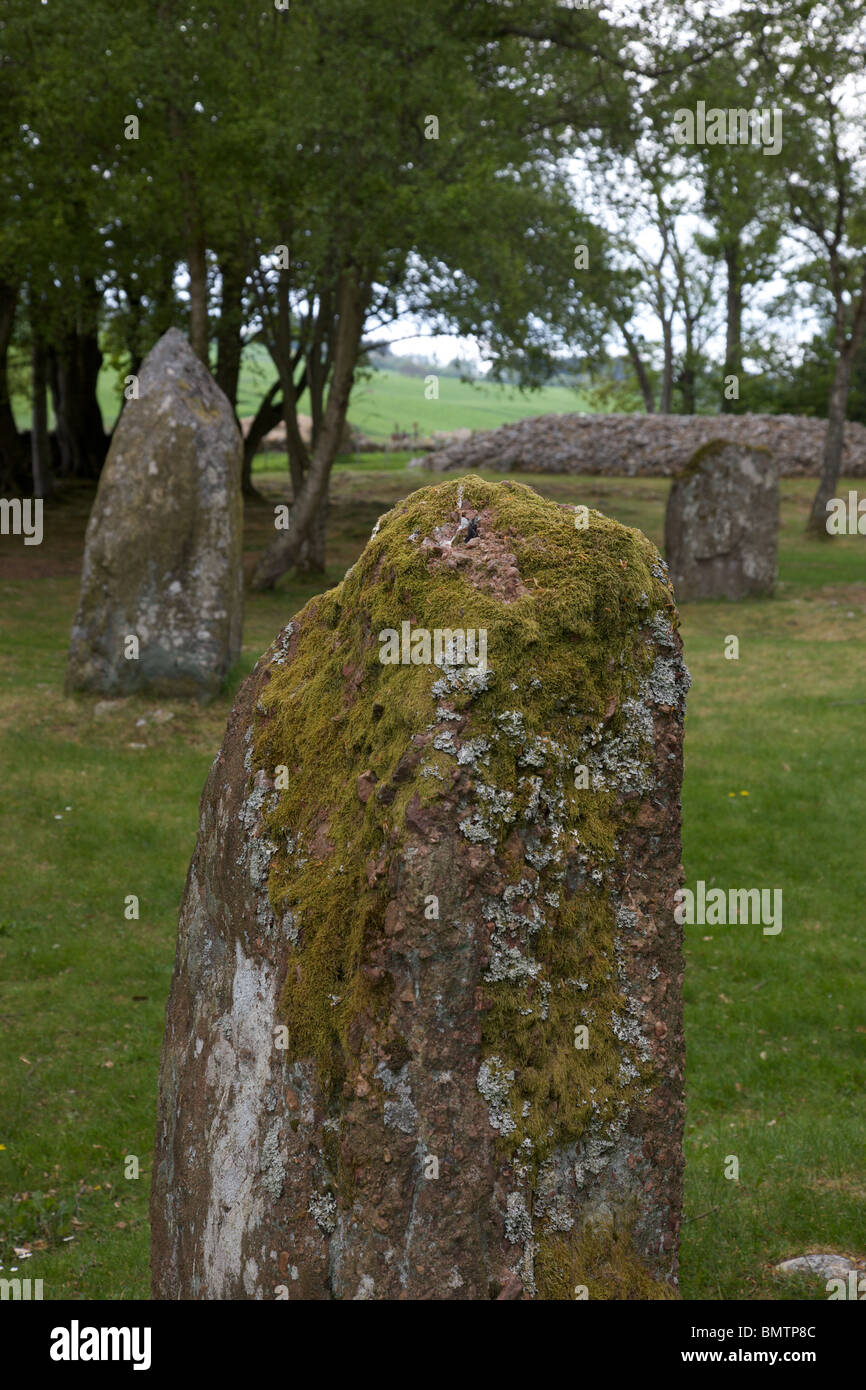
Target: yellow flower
{"points": [[744, 793]]}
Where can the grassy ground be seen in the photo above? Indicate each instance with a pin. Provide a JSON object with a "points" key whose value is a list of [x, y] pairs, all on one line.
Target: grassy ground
{"points": [[100, 804]]}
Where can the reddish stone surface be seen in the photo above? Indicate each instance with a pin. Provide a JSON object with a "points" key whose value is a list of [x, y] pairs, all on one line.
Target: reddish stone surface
{"points": [[269, 1185]]}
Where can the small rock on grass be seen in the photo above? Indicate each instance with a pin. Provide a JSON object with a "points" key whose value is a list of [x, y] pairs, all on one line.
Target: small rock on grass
{"points": [[822, 1265]]}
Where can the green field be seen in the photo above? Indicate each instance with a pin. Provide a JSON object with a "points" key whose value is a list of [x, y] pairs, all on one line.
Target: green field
{"points": [[382, 401], [101, 804], [389, 401]]}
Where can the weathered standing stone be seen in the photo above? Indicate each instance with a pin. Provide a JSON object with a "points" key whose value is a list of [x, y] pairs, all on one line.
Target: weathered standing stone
{"points": [[162, 557], [435, 878], [722, 523]]}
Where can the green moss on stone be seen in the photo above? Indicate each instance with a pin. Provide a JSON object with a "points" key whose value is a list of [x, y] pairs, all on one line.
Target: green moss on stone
{"points": [[564, 654], [604, 1263], [715, 446]]}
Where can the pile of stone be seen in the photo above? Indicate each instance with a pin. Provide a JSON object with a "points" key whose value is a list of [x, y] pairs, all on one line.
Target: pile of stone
{"points": [[634, 445], [352, 442], [438, 439]]}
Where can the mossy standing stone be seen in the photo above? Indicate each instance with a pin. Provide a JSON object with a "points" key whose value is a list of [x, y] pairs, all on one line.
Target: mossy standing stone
{"points": [[722, 523], [433, 878], [162, 556]]}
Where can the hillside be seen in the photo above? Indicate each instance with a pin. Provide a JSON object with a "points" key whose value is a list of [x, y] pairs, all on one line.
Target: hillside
{"points": [[381, 402]]}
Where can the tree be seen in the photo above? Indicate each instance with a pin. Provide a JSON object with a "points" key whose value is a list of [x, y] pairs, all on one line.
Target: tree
{"points": [[656, 267], [825, 168], [738, 194], [53, 245], [430, 186]]}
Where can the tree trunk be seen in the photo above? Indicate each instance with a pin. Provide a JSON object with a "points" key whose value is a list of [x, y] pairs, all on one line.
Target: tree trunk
{"points": [[285, 362], [40, 451], [13, 455], [733, 320], [133, 328], [643, 380], [73, 367], [267, 416], [834, 439], [311, 556], [317, 365], [194, 235], [285, 552], [165, 308], [687, 376], [847, 347], [198, 324], [686, 383], [668, 371], [229, 335]]}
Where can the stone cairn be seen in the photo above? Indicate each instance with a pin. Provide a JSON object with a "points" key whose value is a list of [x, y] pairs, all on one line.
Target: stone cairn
{"points": [[633, 446], [161, 602], [722, 523], [424, 1037]]}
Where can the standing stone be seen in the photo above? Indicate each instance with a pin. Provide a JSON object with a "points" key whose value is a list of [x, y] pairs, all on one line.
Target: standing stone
{"points": [[722, 523], [162, 555], [424, 1037]]}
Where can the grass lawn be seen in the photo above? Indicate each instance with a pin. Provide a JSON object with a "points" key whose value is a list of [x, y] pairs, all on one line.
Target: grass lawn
{"points": [[382, 401], [101, 804]]}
